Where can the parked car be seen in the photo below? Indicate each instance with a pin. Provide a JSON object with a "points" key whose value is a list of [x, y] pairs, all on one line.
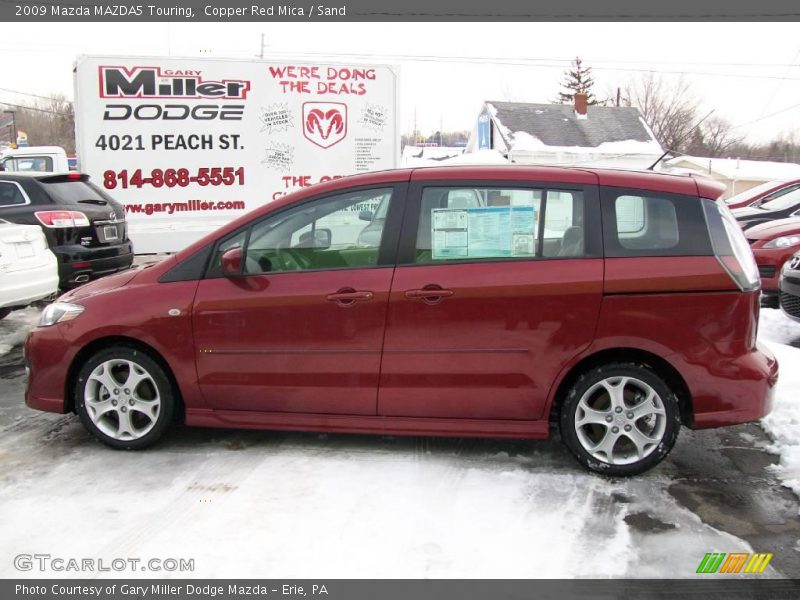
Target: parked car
{"points": [[790, 287], [460, 321], [85, 228], [773, 244], [782, 207], [28, 270], [759, 194]]}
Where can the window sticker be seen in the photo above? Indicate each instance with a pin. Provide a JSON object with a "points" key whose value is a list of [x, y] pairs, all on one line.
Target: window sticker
{"points": [[449, 233], [484, 232]]}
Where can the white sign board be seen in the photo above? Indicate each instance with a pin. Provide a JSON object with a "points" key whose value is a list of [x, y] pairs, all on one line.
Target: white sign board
{"points": [[188, 144]]}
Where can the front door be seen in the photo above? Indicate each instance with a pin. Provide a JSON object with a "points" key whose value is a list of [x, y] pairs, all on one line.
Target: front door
{"points": [[495, 290], [301, 329]]}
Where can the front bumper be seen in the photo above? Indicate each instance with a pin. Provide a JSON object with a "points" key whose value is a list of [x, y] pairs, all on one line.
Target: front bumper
{"points": [[46, 353], [790, 294]]}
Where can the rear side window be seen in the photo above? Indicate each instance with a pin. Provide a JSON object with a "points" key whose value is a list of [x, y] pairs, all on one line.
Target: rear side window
{"points": [[11, 195], [645, 223], [487, 223]]}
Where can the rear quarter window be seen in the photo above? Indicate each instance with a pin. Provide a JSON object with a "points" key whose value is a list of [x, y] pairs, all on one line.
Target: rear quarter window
{"points": [[646, 223]]}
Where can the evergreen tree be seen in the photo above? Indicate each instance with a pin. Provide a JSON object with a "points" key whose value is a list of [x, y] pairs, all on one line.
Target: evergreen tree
{"points": [[577, 79]]}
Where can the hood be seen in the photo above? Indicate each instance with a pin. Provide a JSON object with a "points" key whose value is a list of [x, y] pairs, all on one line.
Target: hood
{"points": [[99, 286], [773, 229]]}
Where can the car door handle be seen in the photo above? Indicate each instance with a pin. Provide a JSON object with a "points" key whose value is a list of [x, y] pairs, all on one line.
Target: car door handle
{"points": [[429, 294], [349, 296]]}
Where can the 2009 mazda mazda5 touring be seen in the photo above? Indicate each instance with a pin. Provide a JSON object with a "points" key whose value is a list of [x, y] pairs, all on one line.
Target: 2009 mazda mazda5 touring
{"points": [[460, 301]]}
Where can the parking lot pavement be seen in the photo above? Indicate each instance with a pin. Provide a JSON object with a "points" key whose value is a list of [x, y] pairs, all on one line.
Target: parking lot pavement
{"points": [[244, 503]]}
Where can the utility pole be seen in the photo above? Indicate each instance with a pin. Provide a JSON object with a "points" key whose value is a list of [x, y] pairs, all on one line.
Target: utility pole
{"points": [[261, 53]]}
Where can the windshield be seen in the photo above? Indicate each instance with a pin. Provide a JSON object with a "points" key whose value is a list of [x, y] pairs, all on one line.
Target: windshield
{"points": [[787, 200], [751, 193]]}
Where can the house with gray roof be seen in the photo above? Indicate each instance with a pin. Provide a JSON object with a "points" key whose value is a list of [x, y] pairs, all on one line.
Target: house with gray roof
{"points": [[566, 134]]}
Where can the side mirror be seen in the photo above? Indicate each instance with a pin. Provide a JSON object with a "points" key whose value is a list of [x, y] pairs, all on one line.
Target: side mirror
{"points": [[232, 262], [365, 215], [319, 239]]}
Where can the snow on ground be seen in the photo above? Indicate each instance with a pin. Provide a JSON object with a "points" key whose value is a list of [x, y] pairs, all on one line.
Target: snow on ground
{"points": [[242, 503], [15, 327], [783, 423], [300, 505]]}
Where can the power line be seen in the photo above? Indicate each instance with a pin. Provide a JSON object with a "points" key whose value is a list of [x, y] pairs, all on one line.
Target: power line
{"points": [[30, 94], [778, 112], [525, 62]]}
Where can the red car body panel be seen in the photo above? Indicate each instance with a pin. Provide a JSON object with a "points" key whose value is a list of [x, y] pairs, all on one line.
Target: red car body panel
{"points": [[491, 349], [277, 344], [487, 360]]}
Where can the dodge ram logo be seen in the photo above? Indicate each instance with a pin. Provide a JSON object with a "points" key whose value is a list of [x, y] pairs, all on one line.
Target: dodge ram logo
{"points": [[324, 123]]}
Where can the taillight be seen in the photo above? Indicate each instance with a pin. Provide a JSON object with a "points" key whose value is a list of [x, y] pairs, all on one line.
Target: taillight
{"points": [[731, 247], [62, 218]]}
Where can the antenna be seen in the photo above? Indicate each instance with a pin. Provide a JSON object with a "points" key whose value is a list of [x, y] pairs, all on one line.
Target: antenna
{"points": [[688, 133]]}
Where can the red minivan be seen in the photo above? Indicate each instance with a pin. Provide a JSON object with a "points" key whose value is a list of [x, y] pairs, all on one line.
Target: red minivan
{"points": [[463, 301]]}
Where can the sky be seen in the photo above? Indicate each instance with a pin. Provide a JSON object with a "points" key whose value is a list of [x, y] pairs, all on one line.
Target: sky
{"points": [[748, 73]]}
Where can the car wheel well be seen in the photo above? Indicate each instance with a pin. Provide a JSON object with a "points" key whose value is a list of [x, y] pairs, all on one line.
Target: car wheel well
{"points": [[107, 342], [658, 365]]}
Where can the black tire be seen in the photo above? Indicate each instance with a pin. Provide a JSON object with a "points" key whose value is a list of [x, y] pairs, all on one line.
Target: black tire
{"points": [[4, 312], [156, 386], [664, 429]]}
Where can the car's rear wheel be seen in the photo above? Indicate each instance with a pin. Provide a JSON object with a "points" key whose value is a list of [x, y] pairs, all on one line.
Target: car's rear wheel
{"points": [[124, 398], [620, 419]]}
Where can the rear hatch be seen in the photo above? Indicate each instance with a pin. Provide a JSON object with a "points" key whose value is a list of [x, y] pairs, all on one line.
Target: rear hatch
{"points": [[22, 247], [83, 214]]}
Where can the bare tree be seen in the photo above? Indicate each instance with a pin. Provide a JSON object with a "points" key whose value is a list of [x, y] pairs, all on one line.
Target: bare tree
{"points": [[48, 122], [714, 138], [670, 109]]}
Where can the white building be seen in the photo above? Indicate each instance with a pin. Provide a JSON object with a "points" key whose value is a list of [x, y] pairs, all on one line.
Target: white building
{"points": [[737, 175], [565, 134]]}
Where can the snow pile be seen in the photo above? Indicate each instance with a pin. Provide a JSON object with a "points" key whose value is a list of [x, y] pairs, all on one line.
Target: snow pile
{"points": [[525, 142], [783, 423], [15, 327]]}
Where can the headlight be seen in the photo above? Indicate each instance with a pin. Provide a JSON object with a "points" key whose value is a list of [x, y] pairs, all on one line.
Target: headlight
{"points": [[59, 312], [783, 242]]}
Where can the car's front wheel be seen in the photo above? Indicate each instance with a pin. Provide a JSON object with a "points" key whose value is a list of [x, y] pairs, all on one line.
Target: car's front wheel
{"points": [[620, 419], [124, 398]]}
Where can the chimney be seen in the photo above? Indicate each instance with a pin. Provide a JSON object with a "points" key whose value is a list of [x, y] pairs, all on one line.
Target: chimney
{"points": [[581, 105]]}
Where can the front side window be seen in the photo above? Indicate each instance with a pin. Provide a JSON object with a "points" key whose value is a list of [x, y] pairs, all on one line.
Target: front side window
{"points": [[466, 223], [10, 194], [336, 232]]}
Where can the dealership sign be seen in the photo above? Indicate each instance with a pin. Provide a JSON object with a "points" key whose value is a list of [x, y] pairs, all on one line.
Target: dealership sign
{"points": [[189, 144]]}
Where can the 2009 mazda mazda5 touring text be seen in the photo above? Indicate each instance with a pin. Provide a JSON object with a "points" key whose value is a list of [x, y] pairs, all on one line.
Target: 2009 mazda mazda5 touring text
{"points": [[460, 301]]}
